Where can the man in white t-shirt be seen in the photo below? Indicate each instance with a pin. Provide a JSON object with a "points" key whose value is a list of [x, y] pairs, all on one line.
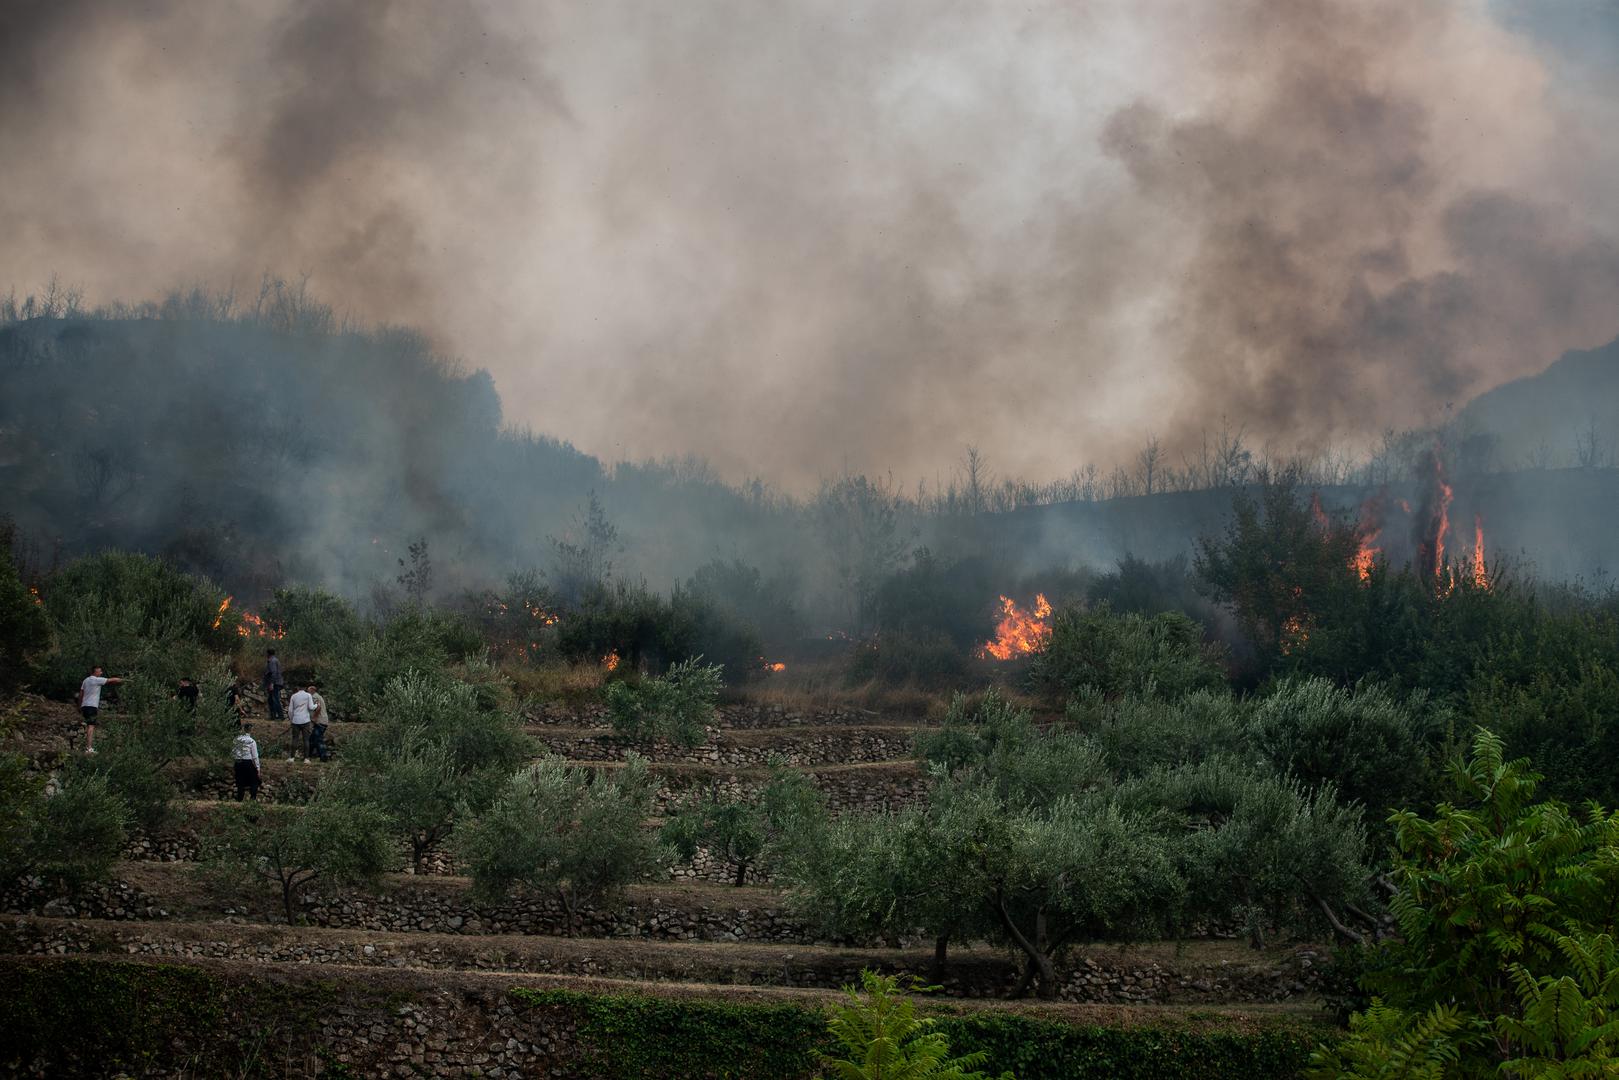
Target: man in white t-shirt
{"points": [[300, 710], [90, 704]]}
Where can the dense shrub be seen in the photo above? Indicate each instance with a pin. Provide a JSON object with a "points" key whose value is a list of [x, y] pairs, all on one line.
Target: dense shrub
{"points": [[677, 705], [747, 833], [930, 660], [932, 600], [766, 604], [74, 836], [317, 624], [1506, 962], [289, 848], [1136, 586], [432, 755], [133, 615], [25, 632], [555, 828], [1378, 748], [1113, 654], [644, 629]]}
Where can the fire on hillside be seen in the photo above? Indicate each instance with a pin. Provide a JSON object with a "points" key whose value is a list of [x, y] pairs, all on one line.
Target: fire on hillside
{"points": [[1020, 631]]}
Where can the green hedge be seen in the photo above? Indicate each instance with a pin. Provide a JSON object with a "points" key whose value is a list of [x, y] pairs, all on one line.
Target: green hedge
{"points": [[105, 1017], [631, 1035]]}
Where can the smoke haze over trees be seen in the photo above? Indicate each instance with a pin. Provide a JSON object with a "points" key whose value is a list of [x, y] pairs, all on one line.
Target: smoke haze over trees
{"points": [[815, 238]]}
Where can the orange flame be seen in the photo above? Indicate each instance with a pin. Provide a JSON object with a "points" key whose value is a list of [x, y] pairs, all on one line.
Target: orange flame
{"points": [[1443, 528], [1481, 575], [775, 665], [224, 606], [1019, 632], [33, 591], [610, 661], [1366, 556], [253, 626]]}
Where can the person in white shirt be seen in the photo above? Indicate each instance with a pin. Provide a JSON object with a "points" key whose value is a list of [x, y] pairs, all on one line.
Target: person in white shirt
{"points": [[323, 720], [245, 752], [90, 703], [300, 708]]}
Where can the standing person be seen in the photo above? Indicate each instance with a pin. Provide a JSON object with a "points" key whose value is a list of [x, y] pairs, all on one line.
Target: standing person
{"points": [[236, 699], [90, 703], [188, 693], [301, 706], [273, 682], [245, 752], [322, 719]]}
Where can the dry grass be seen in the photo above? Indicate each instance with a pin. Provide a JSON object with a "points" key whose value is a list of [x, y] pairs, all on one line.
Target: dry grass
{"points": [[570, 684]]}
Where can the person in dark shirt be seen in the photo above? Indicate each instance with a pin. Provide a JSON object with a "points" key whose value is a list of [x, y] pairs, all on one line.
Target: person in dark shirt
{"points": [[273, 682], [188, 693]]}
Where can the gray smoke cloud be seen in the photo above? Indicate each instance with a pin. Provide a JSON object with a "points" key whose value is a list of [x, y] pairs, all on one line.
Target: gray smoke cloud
{"points": [[810, 236]]}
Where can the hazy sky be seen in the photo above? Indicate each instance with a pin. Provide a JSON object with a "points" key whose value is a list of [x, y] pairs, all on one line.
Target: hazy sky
{"points": [[805, 236]]}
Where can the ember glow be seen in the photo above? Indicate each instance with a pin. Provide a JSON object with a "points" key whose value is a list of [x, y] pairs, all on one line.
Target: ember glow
{"points": [[1019, 632], [34, 592], [610, 661], [775, 665]]}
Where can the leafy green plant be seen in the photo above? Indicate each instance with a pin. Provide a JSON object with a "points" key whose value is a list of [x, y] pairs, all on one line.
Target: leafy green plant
{"points": [[75, 835], [677, 705], [1506, 960], [1111, 654], [745, 833], [330, 839], [880, 1037], [560, 829]]}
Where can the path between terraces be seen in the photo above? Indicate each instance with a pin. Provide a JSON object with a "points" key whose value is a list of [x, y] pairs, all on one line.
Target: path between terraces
{"points": [[685, 935]]}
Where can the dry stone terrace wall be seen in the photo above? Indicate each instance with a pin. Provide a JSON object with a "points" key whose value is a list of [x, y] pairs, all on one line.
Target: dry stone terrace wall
{"points": [[844, 746], [878, 786], [1103, 977], [734, 716]]}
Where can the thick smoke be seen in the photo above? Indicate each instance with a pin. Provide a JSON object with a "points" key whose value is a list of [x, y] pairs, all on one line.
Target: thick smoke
{"points": [[808, 236]]}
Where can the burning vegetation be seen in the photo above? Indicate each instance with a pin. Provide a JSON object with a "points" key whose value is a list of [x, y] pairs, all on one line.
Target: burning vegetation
{"points": [[1019, 631]]}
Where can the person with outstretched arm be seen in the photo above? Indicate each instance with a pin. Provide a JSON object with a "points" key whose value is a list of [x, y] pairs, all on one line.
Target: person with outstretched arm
{"points": [[245, 751], [90, 703]]}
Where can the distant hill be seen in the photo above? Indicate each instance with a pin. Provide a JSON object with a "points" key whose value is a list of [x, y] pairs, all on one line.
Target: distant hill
{"points": [[1547, 420]]}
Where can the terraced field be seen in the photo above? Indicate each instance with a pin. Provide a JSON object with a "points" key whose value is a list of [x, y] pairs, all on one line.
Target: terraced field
{"points": [[689, 936]]}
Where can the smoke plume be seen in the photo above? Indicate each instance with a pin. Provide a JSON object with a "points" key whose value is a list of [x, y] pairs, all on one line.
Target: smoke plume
{"points": [[805, 237]]}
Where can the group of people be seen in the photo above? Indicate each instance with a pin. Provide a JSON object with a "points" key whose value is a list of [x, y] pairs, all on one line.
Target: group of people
{"points": [[304, 711]]}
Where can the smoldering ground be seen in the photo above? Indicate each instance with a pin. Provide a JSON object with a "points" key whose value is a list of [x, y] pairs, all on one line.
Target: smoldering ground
{"points": [[803, 237]]}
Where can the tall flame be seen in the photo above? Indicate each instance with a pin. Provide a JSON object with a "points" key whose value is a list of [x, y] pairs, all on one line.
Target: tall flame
{"points": [[1481, 574], [1019, 632], [224, 606]]}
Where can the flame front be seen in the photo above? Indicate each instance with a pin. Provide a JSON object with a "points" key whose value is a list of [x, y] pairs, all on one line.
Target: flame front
{"points": [[253, 626], [1019, 632]]}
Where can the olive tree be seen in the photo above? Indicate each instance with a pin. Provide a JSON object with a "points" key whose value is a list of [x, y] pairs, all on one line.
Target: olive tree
{"points": [[557, 828]]}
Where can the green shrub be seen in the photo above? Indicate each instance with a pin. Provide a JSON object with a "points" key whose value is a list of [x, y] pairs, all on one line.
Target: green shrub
{"points": [[317, 624], [25, 632], [1506, 962], [677, 705], [557, 829], [75, 835], [930, 660], [882, 1036], [289, 848], [134, 615], [1164, 656], [746, 833]]}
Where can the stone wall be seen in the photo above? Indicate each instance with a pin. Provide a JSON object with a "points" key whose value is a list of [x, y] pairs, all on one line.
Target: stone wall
{"points": [[737, 716], [1100, 977], [832, 746]]}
